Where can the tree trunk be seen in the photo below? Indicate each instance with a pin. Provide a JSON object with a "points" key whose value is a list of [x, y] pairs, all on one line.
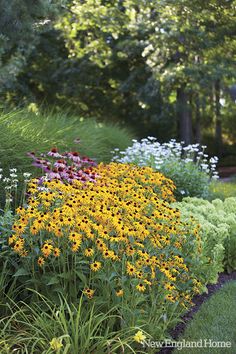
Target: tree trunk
{"points": [[198, 121], [218, 122], [183, 115]]}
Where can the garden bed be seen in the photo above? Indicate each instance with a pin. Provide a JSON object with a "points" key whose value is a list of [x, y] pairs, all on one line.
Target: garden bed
{"points": [[109, 243]]}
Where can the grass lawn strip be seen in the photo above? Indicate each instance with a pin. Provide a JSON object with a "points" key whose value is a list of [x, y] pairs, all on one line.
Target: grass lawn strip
{"points": [[216, 321]]}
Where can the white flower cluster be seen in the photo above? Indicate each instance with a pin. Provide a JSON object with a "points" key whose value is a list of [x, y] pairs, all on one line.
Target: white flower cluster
{"points": [[149, 152], [11, 182]]}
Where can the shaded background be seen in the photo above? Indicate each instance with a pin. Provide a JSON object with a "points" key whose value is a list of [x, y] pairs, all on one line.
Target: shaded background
{"points": [[162, 68]]}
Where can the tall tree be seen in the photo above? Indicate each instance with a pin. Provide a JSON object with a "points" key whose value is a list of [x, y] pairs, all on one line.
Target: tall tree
{"points": [[177, 41], [21, 21]]}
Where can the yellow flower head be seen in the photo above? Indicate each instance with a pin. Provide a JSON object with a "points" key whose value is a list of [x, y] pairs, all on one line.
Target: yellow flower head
{"points": [[11, 239], [89, 292], [19, 244], [56, 252], [56, 344], [120, 293], [47, 249], [130, 269], [170, 298], [75, 245], [23, 253], [75, 236], [95, 266], [139, 337], [89, 252], [141, 287], [41, 261]]}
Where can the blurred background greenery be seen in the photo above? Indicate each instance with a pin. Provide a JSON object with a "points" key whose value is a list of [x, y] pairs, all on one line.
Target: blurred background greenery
{"points": [[165, 69]]}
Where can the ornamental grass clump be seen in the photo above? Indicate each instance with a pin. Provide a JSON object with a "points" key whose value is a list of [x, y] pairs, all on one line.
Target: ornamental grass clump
{"points": [[115, 241]]}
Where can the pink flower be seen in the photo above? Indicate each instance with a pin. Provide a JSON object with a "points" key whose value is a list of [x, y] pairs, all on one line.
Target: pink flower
{"points": [[54, 153], [69, 166], [77, 141], [74, 156], [31, 154], [60, 164], [53, 175]]}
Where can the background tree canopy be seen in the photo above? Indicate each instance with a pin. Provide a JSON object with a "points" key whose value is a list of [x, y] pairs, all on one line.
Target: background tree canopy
{"points": [[165, 67]]}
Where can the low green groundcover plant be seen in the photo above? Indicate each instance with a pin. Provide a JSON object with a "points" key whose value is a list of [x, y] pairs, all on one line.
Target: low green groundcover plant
{"points": [[218, 230], [188, 166]]}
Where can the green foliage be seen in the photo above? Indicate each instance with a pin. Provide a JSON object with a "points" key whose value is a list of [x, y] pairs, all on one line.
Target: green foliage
{"points": [[9, 287], [130, 69], [174, 47], [222, 190], [43, 326], [23, 132], [188, 179], [214, 321], [21, 22], [218, 231]]}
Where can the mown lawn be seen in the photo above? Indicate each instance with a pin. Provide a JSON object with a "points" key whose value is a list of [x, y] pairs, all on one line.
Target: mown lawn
{"points": [[223, 190], [215, 320]]}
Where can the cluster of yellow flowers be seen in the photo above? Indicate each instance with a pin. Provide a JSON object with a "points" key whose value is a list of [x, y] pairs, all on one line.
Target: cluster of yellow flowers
{"points": [[121, 220]]}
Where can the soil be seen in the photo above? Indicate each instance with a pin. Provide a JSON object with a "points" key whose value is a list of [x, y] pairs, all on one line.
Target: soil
{"points": [[197, 300]]}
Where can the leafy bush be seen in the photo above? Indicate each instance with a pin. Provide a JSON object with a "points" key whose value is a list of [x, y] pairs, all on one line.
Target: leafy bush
{"points": [[218, 230], [188, 166], [116, 242]]}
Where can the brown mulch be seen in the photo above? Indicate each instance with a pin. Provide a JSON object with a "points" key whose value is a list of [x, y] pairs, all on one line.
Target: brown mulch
{"points": [[198, 300]]}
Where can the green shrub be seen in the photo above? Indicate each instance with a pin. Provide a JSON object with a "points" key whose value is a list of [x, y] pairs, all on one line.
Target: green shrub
{"points": [[218, 231], [188, 179]]}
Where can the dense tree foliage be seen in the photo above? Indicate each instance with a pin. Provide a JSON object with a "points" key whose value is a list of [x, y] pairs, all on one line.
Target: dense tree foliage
{"points": [[164, 66], [21, 22]]}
